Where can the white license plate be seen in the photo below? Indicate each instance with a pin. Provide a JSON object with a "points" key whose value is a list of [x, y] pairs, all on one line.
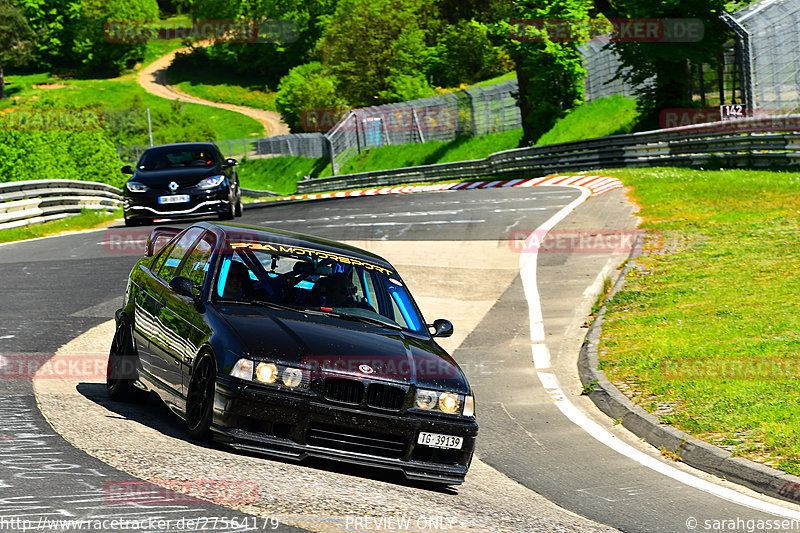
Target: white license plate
{"points": [[437, 440], [174, 199]]}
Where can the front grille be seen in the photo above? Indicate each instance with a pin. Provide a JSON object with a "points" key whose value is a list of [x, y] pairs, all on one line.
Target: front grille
{"points": [[344, 390], [353, 440], [386, 396]]}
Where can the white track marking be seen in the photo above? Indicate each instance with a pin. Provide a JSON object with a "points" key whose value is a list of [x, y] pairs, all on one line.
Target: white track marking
{"points": [[541, 358]]}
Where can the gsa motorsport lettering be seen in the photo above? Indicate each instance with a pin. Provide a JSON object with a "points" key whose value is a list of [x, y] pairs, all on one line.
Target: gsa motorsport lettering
{"points": [[316, 254]]}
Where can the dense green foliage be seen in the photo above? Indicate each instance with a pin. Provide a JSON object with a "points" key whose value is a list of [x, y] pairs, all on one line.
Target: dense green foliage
{"points": [[307, 87], [77, 155], [16, 40], [71, 34], [550, 73], [662, 72]]}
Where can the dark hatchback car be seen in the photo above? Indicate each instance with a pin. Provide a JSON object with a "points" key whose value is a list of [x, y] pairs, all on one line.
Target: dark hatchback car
{"points": [[292, 346], [180, 181]]}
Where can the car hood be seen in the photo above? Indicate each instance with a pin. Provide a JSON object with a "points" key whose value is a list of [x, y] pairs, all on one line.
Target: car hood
{"points": [[182, 176], [332, 346]]}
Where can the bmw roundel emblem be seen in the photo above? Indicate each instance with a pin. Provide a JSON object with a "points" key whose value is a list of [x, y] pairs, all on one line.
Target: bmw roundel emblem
{"points": [[366, 369], [173, 186]]}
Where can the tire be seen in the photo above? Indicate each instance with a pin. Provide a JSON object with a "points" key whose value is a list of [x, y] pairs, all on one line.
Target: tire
{"points": [[200, 397], [121, 373], [230, 212], [129, 222], [239, 207]]}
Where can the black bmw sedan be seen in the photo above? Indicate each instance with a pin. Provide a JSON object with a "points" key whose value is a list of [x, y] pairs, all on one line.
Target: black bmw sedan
{"points": [[180, 181], [292, 346]]}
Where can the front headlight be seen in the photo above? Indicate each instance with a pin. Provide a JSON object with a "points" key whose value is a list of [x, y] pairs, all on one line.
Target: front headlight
{"points": [[135, 186], [270, 374], [210, 183], [444, 402]]}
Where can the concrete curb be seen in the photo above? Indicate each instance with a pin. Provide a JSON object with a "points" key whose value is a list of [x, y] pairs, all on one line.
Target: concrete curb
{"points": [[694, 452]]}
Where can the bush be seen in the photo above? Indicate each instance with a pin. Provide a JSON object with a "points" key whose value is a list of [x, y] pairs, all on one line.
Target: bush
{"points": [[307, 87], [465, 54], [77, 155]]}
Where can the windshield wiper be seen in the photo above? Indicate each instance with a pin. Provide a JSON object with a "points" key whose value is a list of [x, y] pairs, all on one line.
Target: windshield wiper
{"points": [[362, 318]]}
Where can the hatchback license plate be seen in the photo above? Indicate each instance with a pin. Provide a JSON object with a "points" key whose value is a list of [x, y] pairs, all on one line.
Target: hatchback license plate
{"points": [[437, 440], [175, 199]]}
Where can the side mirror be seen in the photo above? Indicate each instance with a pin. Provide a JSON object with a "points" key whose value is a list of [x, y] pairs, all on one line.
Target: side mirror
{"points": [[441, 327], [182, 285], [230, 162], [127, 169]]}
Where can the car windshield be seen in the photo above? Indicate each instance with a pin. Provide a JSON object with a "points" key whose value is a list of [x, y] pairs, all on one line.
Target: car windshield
{"points": [[178, 157], [306, 279]]}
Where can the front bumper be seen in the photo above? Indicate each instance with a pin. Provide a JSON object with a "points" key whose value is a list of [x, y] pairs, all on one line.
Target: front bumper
{"points": [[296, 426], [201, 202]]}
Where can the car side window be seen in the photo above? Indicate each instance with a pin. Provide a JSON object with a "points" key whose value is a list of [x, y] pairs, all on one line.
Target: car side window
{"points": [[160, 258], [196, 266], [169, 268]]}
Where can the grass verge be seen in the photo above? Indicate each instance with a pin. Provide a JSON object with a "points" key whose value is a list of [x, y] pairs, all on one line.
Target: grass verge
{"points": [[605, 116], [706, 332], [429, 153], [278, 174], [87, 219]]}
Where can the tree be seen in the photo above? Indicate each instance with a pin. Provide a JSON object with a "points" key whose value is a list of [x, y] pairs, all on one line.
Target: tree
{"points": [[308, 91], [374, 46], [16, 40], [302, 20], [93, 49], [464, 53], [662, 72], [550, 74]]}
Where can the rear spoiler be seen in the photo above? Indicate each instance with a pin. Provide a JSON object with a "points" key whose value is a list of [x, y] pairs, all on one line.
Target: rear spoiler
{"points": [[159, 238]]}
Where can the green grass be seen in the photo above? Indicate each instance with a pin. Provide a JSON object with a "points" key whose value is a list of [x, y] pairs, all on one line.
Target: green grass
{"points": [[605, 116], [498, 79], [277, 174], [429, 153], [124, 103], [260, 98], [88, 219], [708, 321], [219, 84]]}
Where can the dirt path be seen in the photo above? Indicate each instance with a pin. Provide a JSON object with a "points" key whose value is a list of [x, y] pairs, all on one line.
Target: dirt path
{"points": [[153, 78]]}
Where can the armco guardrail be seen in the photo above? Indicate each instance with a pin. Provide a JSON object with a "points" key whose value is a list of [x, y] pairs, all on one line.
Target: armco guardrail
{"points": [[28, 202], [733, 144]]}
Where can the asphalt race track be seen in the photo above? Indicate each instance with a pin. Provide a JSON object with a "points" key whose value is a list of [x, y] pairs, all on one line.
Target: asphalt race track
{"points": [[453, 250]]}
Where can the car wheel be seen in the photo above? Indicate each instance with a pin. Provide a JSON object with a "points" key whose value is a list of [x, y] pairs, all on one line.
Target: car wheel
{"points": [[230, 212], [239, 206], [200, 398], [121, 373], [130, 222]]}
